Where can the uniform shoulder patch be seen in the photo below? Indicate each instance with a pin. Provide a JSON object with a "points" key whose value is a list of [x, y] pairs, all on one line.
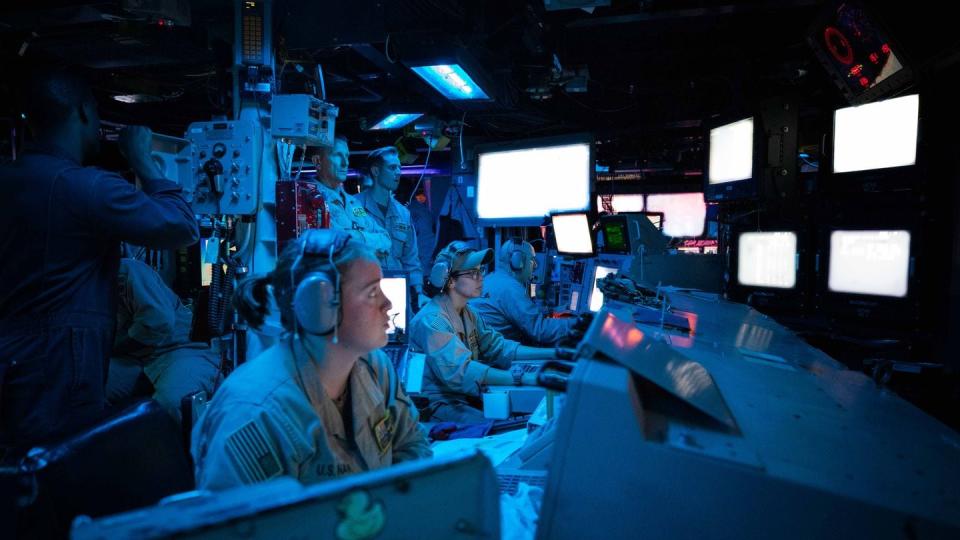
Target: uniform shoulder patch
{"points": [[359, 212], [254, 457], [437, 323]]}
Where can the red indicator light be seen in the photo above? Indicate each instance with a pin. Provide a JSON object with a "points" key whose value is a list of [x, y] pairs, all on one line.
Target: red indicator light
{"points": [[885, 48], [856, 70], [874, 57], [864, 82]]}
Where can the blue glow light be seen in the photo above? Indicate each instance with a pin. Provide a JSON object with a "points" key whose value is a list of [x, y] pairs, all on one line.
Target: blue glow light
{"points": [[451, 81], [393, 121]]}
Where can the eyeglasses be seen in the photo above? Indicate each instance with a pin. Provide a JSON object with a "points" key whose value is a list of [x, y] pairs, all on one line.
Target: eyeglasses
{"points": [[474, 274]]}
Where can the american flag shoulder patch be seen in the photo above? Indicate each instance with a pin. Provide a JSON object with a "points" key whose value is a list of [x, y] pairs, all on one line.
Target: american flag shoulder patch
{"points": [[254, 457]]}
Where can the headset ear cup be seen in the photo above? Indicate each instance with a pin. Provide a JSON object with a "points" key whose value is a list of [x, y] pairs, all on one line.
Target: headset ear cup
{"points": [[516, 260], [315, 304], [439, 274]]}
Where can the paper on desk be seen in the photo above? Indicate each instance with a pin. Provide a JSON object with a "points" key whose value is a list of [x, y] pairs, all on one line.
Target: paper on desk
{"points": [[497, 448]]}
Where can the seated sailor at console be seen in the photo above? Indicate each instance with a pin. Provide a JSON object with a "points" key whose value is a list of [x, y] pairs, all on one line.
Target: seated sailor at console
{"points": [[464, 354], [506, 307], [323, 402], [153, 340]]}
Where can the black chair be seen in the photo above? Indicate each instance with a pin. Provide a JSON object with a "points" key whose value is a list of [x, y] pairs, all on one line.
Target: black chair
{"points": [[128, 461]]}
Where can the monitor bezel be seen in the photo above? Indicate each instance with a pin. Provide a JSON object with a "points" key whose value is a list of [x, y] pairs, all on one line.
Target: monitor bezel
{"points": [[774, 299], [746, 188], [393, 274], [526, 144], [871, 180], [590, 224], [605, 250], [866, 307], [591, 286], [882, 89]]}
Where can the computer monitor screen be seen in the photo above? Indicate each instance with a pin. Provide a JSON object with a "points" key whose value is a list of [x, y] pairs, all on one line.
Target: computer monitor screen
{"points": [[684, 214], [395, 289], [870, 262], [876, 136], [615, 236], [767, 259], [857, 52], [573, 234], [522, 186], [731, 152], [596, 296], [620, 203]]}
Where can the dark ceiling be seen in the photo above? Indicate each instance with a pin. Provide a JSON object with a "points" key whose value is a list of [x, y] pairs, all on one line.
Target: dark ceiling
{"points": [[640, 74]]}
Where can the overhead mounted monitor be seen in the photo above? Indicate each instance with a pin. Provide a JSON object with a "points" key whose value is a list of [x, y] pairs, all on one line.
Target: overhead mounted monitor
{"points": [[870, 262], [684, 214], [857, 52], [518, 186], [573, 234], [767, 259], [730, 167], [731, 152], [395, 289], [632, 202], [876, 136]]}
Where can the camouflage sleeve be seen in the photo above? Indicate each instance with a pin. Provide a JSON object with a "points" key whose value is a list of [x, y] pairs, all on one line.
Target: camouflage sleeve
{"points": [[239, 444], [448, 358], [494, 348]]}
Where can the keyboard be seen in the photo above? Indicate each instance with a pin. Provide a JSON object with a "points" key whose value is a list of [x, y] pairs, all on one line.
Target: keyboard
{"points": [[510, 479]]}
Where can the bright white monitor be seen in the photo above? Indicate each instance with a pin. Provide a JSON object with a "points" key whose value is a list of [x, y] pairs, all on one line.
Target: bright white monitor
{"points": [[877, 135], [731, 152], [596, 295], [684, 214], [767, 259], [527, 184], [573, 233], [623, 203], [395, 289], [870, 262]]}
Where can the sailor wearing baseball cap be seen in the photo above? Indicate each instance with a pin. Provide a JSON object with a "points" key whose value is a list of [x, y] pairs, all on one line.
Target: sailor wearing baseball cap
{"points": [[463, 354]]}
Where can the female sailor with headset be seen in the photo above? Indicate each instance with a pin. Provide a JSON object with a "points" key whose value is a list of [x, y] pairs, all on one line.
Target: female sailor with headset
{"points": [[463, 353], [324, 402]]}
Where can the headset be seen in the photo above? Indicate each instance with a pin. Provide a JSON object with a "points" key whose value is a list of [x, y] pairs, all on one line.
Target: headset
{"points": [[512, 251], [440, 272], [316, 300]]}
